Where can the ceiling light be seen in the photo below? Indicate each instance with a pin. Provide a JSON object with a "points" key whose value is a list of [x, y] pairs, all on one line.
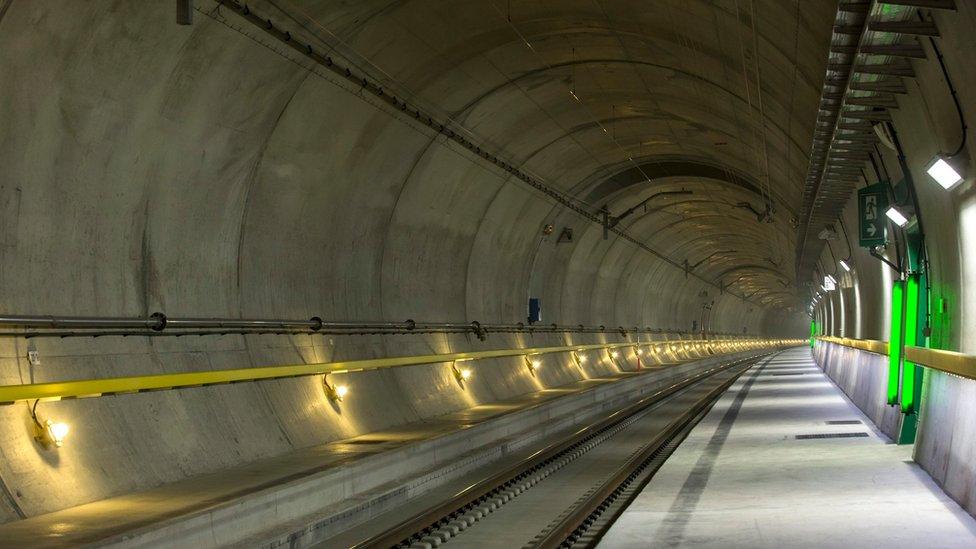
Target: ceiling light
{"points": [[896, 216], [943, 173], [843, 263]]}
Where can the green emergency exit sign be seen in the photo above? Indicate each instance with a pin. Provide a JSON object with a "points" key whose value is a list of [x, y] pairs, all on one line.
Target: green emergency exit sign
{"points": [[872, 202]]}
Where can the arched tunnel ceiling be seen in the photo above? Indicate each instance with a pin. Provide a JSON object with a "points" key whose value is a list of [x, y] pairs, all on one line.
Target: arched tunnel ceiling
{"points": [[611, 102]]}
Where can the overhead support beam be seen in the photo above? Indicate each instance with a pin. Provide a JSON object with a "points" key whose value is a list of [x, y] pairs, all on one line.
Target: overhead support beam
{"points": [[930, 4], [880, 100], [860, 137], [888, 69], [883, 116], [915, 28], [885, 85], [856, 126], [913, 51], [850, 147]]}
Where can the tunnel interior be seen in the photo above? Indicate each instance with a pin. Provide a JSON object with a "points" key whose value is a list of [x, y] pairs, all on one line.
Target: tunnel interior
{"points": [[643, 167]]}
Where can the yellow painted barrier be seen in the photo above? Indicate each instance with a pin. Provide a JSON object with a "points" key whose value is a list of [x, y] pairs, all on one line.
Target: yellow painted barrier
{"points": [[950, 362], [133, 384]]}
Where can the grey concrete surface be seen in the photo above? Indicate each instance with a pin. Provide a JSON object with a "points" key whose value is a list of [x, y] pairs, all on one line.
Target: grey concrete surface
{"points": [[205, 171], [742, 479], [864, 379], [944, 446]]}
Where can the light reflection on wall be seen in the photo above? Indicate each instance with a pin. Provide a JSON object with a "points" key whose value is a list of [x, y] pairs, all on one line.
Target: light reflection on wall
{"points": [[967, 292], [886, 299], [858, 328], [843, 312]]}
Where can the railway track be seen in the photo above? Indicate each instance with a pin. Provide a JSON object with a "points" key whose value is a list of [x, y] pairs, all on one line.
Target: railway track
{"points": [[569, 492]]}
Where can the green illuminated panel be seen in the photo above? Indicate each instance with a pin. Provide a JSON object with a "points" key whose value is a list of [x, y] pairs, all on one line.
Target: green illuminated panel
{"points": [[813, 332], [911, 335], [894, 341]]}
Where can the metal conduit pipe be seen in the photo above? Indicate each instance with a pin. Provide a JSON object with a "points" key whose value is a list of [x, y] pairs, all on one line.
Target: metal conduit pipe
{"points": [[159, 324]]}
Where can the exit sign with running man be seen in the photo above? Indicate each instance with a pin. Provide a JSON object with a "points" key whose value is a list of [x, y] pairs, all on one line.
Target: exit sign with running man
{"points": [[872, 202]]}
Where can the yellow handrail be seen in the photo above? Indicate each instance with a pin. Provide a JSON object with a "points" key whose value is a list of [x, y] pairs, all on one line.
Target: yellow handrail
{"points": [[132, 384], [950, 362]]}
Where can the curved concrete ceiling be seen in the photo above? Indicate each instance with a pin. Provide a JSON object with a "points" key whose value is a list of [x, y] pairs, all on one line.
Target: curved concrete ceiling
{"points": [[603, 99]]}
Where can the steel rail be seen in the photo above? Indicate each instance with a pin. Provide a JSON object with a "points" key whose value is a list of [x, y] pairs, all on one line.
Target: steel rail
{"points": [[87, 388], [481, 490], [950, 362], [575, 524]]}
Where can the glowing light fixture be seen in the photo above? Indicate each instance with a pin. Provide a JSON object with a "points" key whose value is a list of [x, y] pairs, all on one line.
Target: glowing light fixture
{"points": [[461, 374], [843, 263], [56, 431], [943, 173], [830, 283], [49, 433], [335, 393], [638, 351], [614, 354], [896, 216]]}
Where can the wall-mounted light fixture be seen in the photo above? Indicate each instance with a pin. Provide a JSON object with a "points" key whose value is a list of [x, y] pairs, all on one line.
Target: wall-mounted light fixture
{"points": [[943, 173], [335, 393], [895, 215], [830, 283], [461, 374], [638, 351], [532, 364], [49, 433], [613, 353], [843, 263], [579, 358]]}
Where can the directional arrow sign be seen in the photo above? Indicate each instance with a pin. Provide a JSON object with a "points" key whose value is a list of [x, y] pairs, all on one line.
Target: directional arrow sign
{"points": [[872, 202]]}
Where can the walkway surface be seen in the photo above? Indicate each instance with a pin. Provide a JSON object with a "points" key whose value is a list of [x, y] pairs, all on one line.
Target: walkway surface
{"points": [[749, 476]]}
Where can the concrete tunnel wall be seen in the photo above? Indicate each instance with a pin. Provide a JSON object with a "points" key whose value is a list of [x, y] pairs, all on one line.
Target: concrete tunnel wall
{"points": [[190, 170]]}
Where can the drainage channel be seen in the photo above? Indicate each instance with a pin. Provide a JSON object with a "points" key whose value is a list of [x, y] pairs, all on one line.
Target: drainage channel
{"points": [[566, 494]]}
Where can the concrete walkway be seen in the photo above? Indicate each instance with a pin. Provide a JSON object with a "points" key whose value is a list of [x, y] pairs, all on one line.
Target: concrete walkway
{"points": [[742, 478]]}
